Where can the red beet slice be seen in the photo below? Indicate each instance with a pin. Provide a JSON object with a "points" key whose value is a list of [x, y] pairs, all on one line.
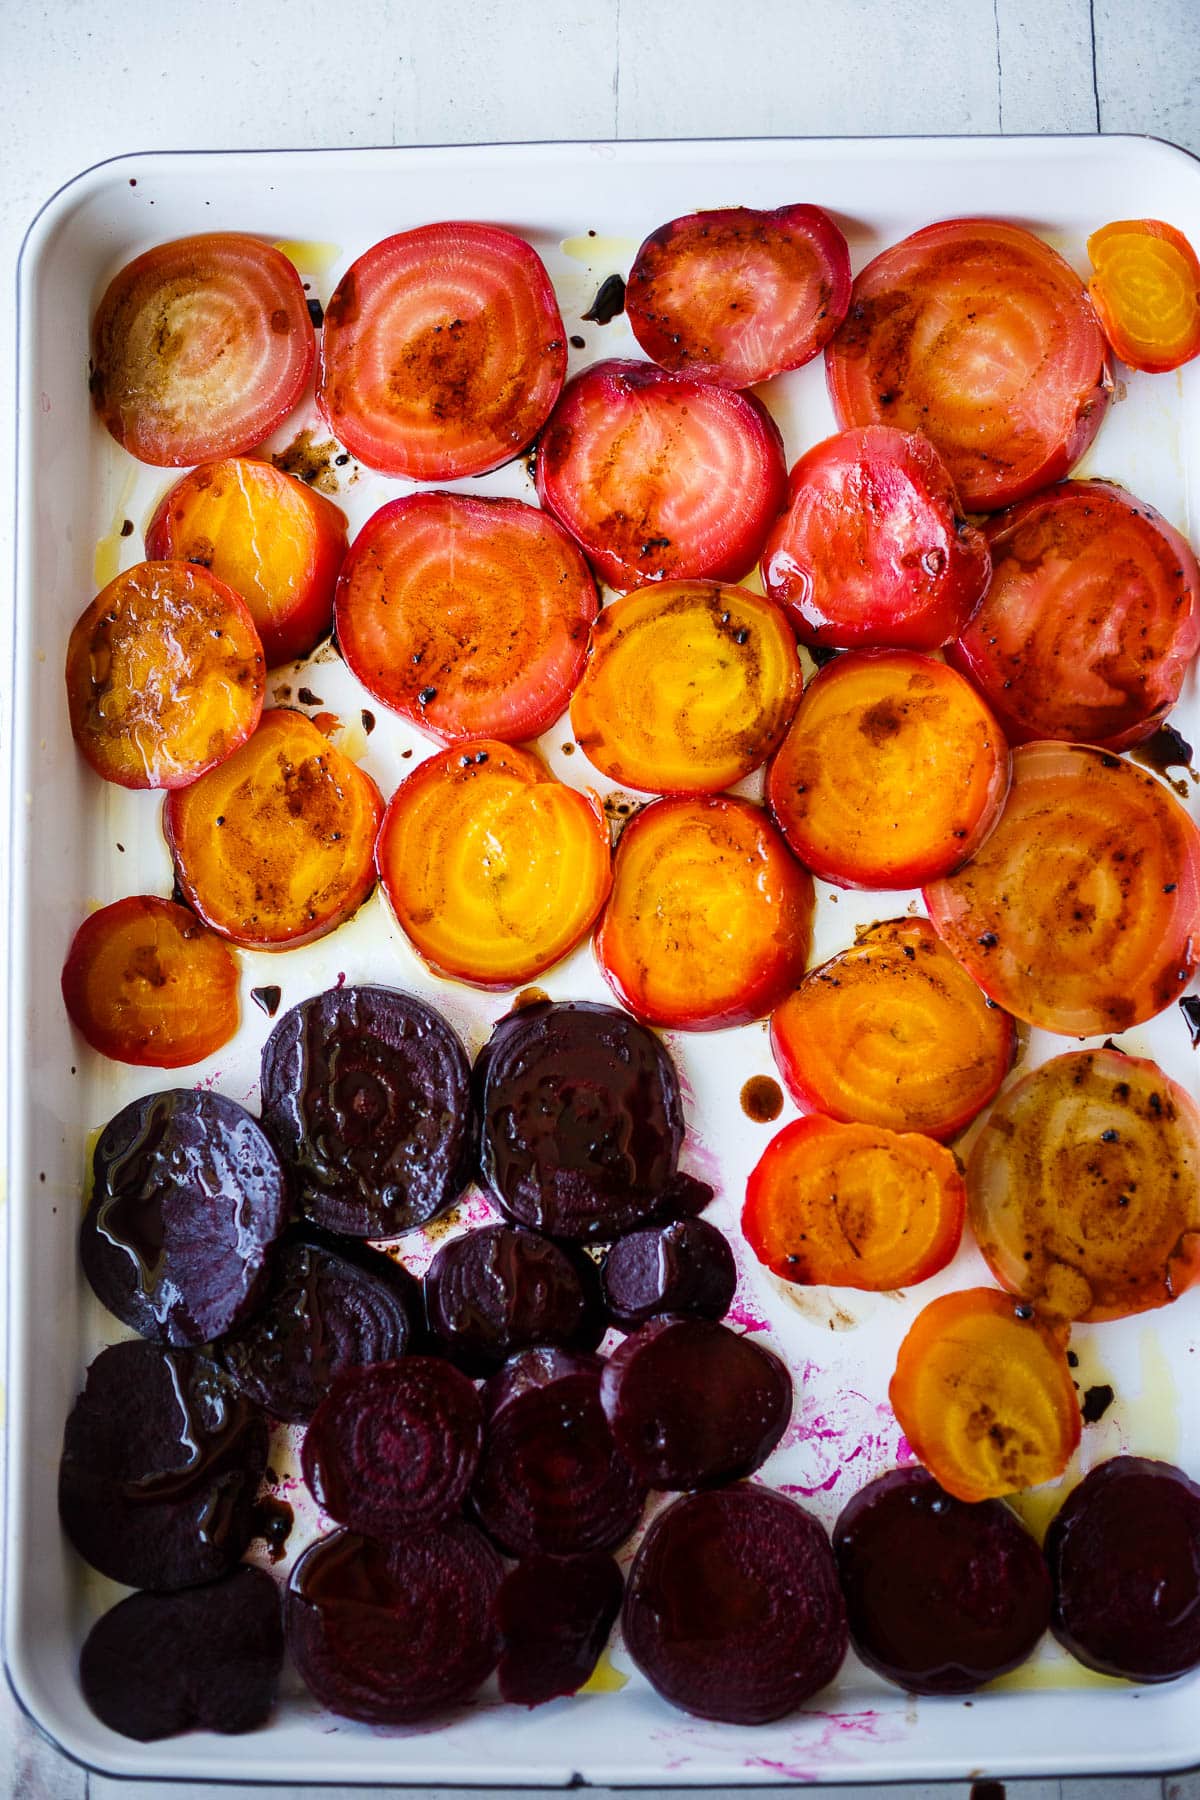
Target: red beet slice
{"points": [[188, 1199], [397, 1631], [503, 1289], [208, 1659], [1124, 1556], [394, 1448], [941, 1595], [732, 1609], [551, 1477], [555, 1614], [692, 1403], [582, 1122], [366, 1093], [684, 1267], [160, 1467]]}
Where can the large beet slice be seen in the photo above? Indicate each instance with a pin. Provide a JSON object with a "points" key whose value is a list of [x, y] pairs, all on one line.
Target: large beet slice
{"points": [[188, 1199], [160, 1466], [391, 1632], [555, 1614], [328, 1307], [732, 1609], [367, 1094], [692, 1403], [394, 1448], [503, 1289], [207, 1659], [582, 1122], [684, 1267], [551, 1477], [942, 1595]]}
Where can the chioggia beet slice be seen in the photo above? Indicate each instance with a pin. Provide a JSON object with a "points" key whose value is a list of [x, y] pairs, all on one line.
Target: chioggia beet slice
{"points": [[503, 1289], [555, 1614], [732, 1609], [208, 1659], [684, 1267]]}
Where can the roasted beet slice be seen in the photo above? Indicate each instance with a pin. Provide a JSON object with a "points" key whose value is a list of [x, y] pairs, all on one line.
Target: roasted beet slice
{"points": [[551, 1477], [208, 1659], [733, 1609], [366, 1092], [188, 1199], [395, 1631], [160, 1466], [394, 1448], [504, 1289], [1124, 1556], [684, 1267], [555, 1614], [692, 1403], [941, 1595], [329, 1307], [582, 1122]]}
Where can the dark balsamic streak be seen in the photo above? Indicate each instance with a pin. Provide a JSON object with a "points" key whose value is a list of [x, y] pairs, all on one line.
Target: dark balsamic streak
{"points": [[609, 301]]}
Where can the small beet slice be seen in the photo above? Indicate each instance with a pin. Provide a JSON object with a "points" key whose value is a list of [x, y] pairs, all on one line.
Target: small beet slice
{"points": [[187, 1201], [941, 1595], [733, 1609], [160, 1466], [684, 1267], [396, 1631], [367, 1094], [504, 1289], [551, 1477], [394, 1448], [692, 1403], [207, 1659], [555, 1614]]}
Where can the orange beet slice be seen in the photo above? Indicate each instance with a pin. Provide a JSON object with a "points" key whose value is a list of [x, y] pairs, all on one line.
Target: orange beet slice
{"points": [[1146, 288]]}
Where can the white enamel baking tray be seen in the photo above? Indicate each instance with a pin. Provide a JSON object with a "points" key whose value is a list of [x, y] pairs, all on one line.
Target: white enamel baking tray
{"points": [[77, 843]]}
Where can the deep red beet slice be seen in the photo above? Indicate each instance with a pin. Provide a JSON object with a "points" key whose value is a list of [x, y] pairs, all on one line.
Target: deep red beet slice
{"points": [[555, 1614], [684, 1267], [502, 1289], [160, 1466], [187, 1201], [941, 1595], [551, 1477], [732, 1608], [692, 1403], [1124, 1556], [366, 1093], [392, 1632], [394, 1448], [207, 1659]]}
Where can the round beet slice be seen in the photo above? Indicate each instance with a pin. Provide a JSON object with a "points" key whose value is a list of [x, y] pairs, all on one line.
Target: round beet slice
{"points": [[582, 1122], [1124, 1556], [551, 1477], [394, 1448], [392, 1632], [329, 1306], [692, 1403], [504, 1289], [942, 1595], [160, 1467], [732, 1609], [188, 1198], [684, 1267], [367, 1094], [555, 1614], [207, 1659]]}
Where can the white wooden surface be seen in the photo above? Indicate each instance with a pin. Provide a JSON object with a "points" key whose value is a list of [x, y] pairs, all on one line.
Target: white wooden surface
{"points": [[81, 80]]}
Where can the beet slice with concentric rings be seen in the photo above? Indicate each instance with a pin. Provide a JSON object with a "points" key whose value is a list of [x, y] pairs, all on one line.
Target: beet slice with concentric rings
{"points": [[502, 1289], [732, 1608], [555, 1614], [684, 1267]]}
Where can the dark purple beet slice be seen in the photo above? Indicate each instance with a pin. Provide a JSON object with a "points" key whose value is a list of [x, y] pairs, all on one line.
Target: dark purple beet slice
{"points": [[941, 1595], [692, 1403], [555, 1614], [551, 1477], [329, 1306], [732, 1609], [582, 1122], [188, 1199], [391, 1632], [394, 1448], [684, 1267], [1124, 1556], [367, 1094], [208, 1659], [160, 1467], [503, 1289]]}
